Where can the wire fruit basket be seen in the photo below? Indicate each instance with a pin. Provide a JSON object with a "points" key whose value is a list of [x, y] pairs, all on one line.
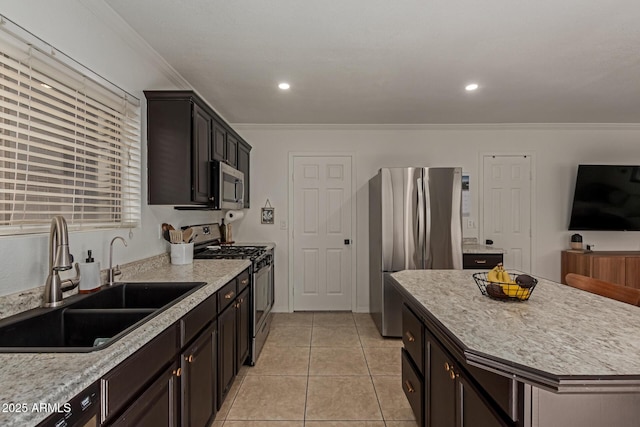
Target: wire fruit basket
{"points": [[519, 288]]}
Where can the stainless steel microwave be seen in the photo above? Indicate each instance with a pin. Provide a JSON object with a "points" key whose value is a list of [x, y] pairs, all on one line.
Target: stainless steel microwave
{"points": [[227, 186]]}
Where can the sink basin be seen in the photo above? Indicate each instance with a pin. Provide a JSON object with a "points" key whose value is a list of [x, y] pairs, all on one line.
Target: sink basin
{"points": [[104, 316]]}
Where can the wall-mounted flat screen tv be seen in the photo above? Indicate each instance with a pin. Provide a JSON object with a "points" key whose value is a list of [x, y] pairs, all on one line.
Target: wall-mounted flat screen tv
{"points": [[606, 197]]}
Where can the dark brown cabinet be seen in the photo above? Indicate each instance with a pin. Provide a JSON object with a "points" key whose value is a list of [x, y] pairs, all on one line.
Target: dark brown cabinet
{"points": [[226, 352], [244, 161], [242, 322], [443, 392], [481, 261], [184, 135], [199, 374], [157, 405]]}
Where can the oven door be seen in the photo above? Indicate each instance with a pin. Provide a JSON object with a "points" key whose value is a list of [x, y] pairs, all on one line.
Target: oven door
{"points": [[263, 296]]}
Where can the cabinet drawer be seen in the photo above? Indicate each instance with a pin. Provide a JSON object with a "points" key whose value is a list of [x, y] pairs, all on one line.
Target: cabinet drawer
{"points": [[226, 295], [127, 379], [195, 320], [413, 387], [481, 261], [243, 280], [413, 337]]}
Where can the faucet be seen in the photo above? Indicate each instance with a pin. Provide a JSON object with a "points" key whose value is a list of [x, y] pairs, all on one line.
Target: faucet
{"points": [[113, 271], [59, 260]]}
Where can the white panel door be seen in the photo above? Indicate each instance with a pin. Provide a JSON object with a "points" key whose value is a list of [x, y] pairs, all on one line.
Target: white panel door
{"points": [[507, 207], [322, 206]]}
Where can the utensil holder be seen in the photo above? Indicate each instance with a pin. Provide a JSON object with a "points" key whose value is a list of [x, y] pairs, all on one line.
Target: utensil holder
{"points": [[181, 253]]}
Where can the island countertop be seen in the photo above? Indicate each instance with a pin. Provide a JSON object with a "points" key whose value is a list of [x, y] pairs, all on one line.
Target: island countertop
{"points": [[54, 378], [562, 338]]}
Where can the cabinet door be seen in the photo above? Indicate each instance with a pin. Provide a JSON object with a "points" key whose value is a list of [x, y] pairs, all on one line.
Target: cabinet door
{"points": [[232, 150], [440, 387], [157, 406], [226, 352], [473, 411], [201, 143], [242, 320], [244, 157], [632, 272], [199, 380], [219, 144], [608, 268]]}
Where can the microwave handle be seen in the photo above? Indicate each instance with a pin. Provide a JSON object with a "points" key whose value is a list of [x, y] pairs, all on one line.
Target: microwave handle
{"points": [[240, 198]]}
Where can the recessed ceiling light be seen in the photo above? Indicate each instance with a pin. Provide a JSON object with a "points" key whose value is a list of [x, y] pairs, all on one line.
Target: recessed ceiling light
{"points": [[46, 86], [471, 87], [284, 86]]}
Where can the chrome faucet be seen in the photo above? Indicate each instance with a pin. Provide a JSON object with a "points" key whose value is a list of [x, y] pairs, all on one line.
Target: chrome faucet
{"points": [[59, 260], [113, 271]]}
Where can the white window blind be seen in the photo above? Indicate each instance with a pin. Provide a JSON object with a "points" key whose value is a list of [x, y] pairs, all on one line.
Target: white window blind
{"points": [[70, 143]]}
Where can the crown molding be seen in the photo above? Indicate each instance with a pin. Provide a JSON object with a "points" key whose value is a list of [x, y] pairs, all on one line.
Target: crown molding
{"points": [[106, 14], [454, 127]]}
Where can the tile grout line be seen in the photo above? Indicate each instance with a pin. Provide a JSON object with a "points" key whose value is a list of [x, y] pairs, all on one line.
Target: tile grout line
{"points": [[375, 390]]}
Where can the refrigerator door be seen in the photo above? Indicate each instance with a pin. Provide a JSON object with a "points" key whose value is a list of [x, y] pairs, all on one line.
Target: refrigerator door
{"points": [[400, 218], [443, 218]]}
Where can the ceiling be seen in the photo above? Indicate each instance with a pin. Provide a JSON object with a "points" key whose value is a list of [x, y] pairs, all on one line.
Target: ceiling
{"points": [[402, 62]]}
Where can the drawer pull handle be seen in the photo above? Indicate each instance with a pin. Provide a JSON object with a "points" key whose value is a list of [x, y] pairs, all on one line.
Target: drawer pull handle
{"points": [[409, 386], [410, 337], [452, 374], [177, 372], [229, 295], [480, 261], [447, 367], [244, 281]]}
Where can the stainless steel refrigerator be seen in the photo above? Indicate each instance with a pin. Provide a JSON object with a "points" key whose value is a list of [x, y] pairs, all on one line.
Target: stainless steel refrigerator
{"points": [[415, 223]]}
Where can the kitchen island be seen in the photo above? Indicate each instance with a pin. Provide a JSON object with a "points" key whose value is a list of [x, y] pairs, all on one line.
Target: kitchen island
{"points": [[54, 378], [565, 357]]}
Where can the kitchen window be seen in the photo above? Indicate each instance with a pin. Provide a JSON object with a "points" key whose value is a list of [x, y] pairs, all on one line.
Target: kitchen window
{"points": [[70, 141]]}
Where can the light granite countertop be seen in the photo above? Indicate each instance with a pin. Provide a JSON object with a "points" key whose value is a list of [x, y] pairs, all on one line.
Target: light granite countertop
{"points": [[57, 377], [562, 338], [475, 248]]}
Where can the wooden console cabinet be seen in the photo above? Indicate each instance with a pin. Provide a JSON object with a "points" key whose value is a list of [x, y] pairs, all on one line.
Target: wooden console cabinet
{"points": [[621, 267]]}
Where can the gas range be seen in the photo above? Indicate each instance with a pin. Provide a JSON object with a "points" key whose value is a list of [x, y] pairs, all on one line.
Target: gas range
{"points": [[251, 253]]}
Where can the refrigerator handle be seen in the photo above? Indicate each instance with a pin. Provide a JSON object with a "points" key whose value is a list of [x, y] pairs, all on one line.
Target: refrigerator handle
{"points": [[421, 230], [428, 262]]}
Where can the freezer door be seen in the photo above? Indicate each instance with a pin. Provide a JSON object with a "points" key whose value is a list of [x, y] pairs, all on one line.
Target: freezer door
{"points": [[401, 248], [443, 219]]}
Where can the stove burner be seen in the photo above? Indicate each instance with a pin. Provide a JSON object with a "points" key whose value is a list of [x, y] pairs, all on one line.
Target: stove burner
{"points": [[230, 252]]}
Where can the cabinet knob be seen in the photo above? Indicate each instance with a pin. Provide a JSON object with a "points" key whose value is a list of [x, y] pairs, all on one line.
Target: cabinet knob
{"points": [[452, 374], [244, 281], [211, 199], [410, 337], [177, 372], [409, 386], [447, 367], [229, 295], [190, 358]]}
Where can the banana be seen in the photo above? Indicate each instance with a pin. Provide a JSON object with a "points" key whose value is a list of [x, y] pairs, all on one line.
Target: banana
{"points": [[493, 275]]}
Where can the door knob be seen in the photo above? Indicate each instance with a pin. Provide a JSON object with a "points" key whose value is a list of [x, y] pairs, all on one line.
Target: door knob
{"points": [[347, 241]]}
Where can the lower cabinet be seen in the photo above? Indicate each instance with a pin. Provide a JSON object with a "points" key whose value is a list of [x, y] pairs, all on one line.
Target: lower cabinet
{"points": [[157, 405], [226, 352], [182, 376], [447, 395], [198, 380]]}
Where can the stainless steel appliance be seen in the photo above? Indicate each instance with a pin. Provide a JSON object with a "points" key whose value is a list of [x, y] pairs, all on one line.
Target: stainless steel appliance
{"points": [[227, 186], [81, 411], [207, 246], [415, 222]]}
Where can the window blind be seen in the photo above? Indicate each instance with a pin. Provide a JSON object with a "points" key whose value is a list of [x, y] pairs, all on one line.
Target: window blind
{"points": [[70, 143]]}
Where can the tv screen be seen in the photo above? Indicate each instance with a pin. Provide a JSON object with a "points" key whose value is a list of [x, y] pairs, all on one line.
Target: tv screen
{"points": [[606, 198]]}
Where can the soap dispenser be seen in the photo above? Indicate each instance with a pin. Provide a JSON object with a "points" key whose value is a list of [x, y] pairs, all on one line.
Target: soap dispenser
{"points": [[89, 275]]}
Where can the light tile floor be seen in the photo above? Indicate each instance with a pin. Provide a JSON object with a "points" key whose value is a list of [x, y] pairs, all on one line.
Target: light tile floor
{"points": [[323, 369]]}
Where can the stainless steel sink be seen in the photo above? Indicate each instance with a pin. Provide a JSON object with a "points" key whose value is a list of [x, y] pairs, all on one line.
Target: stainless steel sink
{"points": [[91, 322]]}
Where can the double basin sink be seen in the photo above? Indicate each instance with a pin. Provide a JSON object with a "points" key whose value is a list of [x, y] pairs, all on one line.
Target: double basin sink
{"points": [[90, 322]]}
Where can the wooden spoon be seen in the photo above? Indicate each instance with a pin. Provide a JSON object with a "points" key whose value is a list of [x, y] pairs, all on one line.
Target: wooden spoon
{"points": [[186, 235]]}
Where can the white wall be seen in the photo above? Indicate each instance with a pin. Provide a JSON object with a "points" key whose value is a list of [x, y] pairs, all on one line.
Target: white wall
{"points": [[89, 32], [557, 151]]}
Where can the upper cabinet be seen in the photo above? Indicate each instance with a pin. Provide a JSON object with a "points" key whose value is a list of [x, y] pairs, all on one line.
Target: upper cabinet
{"points": [[184, 135]]}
